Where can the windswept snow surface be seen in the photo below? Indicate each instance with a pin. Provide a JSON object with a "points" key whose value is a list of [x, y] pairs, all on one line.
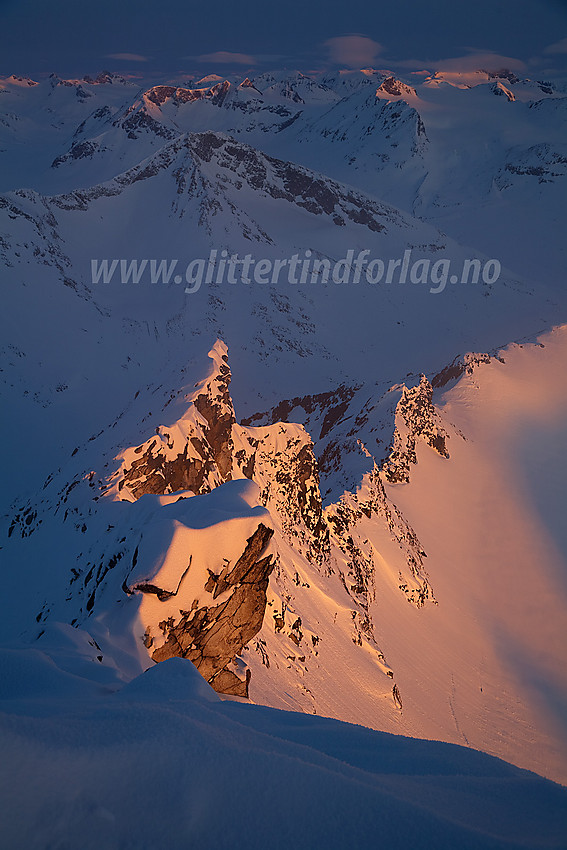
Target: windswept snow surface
{"points": [[164, 763]]}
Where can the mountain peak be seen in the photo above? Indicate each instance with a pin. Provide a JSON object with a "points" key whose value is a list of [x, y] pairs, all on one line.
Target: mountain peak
{"points": [[395, 88]]}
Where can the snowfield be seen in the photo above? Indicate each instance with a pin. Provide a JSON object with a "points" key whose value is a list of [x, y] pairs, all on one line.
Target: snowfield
{"points": [[163, 762]]}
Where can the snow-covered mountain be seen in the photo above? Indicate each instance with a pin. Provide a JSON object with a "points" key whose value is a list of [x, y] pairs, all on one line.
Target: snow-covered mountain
{"points": [[333, 493], [310, 597], [445, 147]]}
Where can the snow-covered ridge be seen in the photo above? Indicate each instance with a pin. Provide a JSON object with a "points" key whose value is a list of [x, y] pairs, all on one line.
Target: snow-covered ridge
{"points": [[197, 453], [175, 568]]}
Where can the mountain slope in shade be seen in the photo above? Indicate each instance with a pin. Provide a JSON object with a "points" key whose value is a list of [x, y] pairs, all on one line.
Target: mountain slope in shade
{"points": [[40, 120], [203, 192], [230, 775], [444, 149]]}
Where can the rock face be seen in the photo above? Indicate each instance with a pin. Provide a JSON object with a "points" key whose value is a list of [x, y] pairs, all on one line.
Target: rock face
{"points": [[348, 422], [461, 365], [196, 453], [215, 95], [501, 90], [543, 161], [211, 637], [280, 459], [415, 418], [215, 406], [396, 88]]}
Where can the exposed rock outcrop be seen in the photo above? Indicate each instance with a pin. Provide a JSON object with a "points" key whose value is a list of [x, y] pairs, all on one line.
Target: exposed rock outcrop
{"points": [[461, 365], [415, 418], [396, 88], [212, 636], [344, 518], [195, 453], [281, 460], [501, 90]]}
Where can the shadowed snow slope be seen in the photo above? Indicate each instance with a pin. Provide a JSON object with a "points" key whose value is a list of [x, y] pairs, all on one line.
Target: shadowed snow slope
{"points": [[164, 764]]}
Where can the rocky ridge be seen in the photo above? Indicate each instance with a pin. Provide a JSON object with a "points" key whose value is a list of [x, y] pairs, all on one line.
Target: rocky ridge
{"points": [[215, 615]]}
